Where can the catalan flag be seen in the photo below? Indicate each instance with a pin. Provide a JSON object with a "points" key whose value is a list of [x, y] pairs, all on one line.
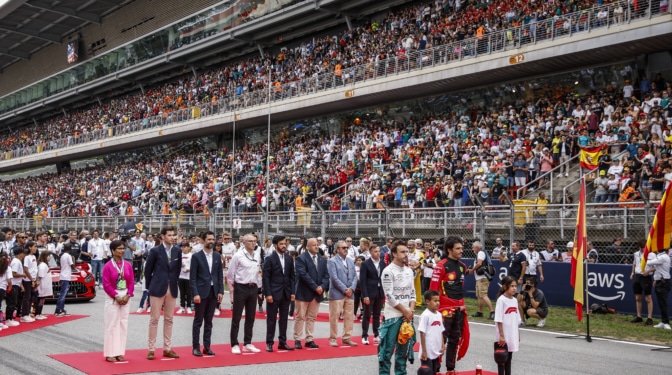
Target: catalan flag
{"points": [[579, 253], [659, 234], [589, 156]]}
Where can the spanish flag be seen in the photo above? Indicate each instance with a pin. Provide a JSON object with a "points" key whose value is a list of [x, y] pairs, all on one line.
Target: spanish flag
{"points": [[589, 156], [659, 234], [579, 253]]}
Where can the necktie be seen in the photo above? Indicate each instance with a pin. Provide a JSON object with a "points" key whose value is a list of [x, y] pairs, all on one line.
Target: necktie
{"points": [[315, 260]]}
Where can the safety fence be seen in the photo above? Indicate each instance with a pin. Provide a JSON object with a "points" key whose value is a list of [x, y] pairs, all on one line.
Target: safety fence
{"points": [[564, 26], [521, 221]]}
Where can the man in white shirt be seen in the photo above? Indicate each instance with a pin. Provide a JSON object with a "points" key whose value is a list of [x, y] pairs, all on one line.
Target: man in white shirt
{"points": [[228, 249], [64, 279], [550, 253], [533, 263], [661, 283], [183, 281], [498, 249], [97, 251], [243, 274], [137, 245]]}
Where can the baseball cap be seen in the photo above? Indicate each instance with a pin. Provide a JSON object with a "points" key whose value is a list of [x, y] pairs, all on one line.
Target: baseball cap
{"points": [[570, 244], [603, 172]]}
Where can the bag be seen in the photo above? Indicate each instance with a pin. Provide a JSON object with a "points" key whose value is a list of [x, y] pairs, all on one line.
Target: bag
{"points": [[596, 308], [501, 353], [488, 269]]}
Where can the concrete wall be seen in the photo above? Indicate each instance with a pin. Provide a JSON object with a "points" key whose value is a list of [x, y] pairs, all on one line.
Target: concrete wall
{"points": [[52, 59]]}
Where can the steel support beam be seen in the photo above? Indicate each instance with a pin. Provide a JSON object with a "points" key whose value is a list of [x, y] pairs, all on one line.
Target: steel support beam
{"points": [[32, 33], [84, 16], [17, 54]]}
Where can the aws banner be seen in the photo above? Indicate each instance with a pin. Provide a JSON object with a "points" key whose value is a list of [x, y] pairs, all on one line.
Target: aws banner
{"points": [[607, 283]]}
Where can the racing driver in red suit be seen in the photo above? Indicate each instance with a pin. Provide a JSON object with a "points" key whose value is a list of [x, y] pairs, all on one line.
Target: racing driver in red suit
{"points": [[448, 279]]}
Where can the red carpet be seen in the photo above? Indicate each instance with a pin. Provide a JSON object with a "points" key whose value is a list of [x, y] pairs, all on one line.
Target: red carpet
{"points": [[136, 362], [50, 321]]}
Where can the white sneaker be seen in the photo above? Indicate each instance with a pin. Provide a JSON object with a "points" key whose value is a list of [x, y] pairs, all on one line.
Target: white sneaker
{"points": [[27, 319], [594, 217], [13, 323], [217, 312], [180, 311], [566, 174], [189, 310], [4, 326], [149, 309], [291, 317], [667, 326], [601, 216], [365, 341], [40, 317], [139, 310], [376, 340], [659, 325], [559, 175], [250, 348], [235, 349], [541, 322]]}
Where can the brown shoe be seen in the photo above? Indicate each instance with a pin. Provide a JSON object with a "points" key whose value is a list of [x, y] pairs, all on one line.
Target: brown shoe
{"points": [[349, 342], [150, 355], [111, 359], [120, 358], [170, 354]]}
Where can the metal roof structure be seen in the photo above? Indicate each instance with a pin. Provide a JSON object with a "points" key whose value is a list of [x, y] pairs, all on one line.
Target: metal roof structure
{"points": [[26, 26]]}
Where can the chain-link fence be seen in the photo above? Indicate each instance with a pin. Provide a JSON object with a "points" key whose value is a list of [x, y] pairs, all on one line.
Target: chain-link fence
{"points": [[521, 221]]}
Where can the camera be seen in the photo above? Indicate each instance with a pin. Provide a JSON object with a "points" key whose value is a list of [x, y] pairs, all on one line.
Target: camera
{"points": [[123, 235], [527, 287]]}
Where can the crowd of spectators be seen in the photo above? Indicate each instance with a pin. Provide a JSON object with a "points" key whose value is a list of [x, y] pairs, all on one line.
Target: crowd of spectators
{"points": [[410, 28], [425, 160]]}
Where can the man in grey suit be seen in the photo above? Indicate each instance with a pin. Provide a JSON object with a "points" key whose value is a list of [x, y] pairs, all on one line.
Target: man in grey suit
{"points": [[342, 284]]}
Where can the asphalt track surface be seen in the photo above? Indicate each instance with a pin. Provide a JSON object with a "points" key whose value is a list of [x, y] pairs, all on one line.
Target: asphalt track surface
{"points": [[541, 351]]}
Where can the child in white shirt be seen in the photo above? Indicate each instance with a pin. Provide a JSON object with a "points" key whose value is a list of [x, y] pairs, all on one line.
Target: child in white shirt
{"points": [[430, 327], [507, 320]]}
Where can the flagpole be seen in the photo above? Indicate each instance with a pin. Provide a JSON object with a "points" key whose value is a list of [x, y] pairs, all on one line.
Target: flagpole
{"points": [[588, 338]]}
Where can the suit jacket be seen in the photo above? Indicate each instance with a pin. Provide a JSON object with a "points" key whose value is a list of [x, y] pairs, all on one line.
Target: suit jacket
{"points": [[276, 283], [201, 276], [369, 279], [161, 272], [341, 278], [308, 278]]}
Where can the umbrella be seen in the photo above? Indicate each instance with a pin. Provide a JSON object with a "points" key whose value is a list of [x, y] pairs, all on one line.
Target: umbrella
{"points": [[130, 227]]}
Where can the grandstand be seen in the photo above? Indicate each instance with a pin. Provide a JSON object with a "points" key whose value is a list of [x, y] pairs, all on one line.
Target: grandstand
{"points": [[358, 96]]}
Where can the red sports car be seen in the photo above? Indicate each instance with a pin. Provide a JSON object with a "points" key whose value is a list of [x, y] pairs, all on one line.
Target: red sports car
{"points": [[82, 284]]}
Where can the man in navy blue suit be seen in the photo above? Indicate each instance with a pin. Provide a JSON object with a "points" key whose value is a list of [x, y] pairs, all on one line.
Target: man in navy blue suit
{"points": [[372, 293], [162, 271], [278, 281], [312, 280], [207, 285]]}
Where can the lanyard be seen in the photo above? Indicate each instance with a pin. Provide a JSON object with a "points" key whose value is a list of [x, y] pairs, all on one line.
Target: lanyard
{"points": [[120, 271]]}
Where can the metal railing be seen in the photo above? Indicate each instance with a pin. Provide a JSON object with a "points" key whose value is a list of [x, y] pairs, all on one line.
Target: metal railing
{"points": [[513, 38], [629, 221]]}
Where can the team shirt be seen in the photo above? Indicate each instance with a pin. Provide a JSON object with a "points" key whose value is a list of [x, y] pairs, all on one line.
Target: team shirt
{"points": [[66, 267], [399, 287], [506, 312], [186, 266], [431, 324]]}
